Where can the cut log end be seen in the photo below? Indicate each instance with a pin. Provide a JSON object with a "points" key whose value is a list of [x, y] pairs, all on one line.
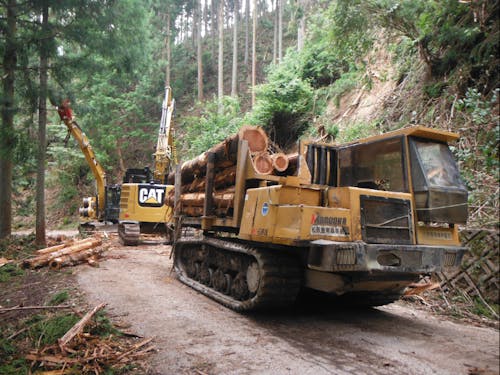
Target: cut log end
{"points": [[263, 164], [280, 162], [256, 138]]}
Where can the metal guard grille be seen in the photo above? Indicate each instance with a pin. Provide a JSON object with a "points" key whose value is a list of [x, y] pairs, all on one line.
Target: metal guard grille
{"points": [[386, 220]]}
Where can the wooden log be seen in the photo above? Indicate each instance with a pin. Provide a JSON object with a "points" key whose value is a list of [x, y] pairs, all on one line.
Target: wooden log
{"points": [[223, 178], [76, 258], [54, 248], [198, 211], [263, 164], [78, 327], [225, 152], [280, 161], [293, 162], [256, 137], [225, 199], [44, 259]]}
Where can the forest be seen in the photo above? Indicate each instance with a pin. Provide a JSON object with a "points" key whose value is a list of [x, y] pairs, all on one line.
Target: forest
{"points": [[332, 71]]}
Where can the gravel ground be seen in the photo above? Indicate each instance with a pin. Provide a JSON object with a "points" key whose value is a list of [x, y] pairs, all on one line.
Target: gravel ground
{"points": [[195, 335]]}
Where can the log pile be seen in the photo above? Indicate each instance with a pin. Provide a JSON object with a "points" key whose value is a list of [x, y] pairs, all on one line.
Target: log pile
{"points": [[83, 353], [266, 158], [69, 253]]}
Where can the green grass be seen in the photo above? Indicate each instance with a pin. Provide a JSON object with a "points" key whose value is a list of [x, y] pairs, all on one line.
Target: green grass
{"points": [[8, 271], [59, 298], [47, 331], [9, 364], [15, 367], [103, 326]]}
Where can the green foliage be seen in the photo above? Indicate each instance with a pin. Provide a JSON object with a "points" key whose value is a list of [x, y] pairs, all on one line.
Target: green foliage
{"points": [[211, 125], [356, 131], [405, 55], [347, 82], [434, 90], [14, 367], [47, 331], [284, 103], [8, 271], [480, 309], [346, 27], [9, 364], [483, 116], [68, 169], [320, 64], [103, 327], [59, 298], [479, 109], [333, 130], [14, 247]]}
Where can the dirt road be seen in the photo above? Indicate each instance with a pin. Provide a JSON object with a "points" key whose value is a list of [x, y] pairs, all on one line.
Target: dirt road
{"points": [[195, 335]]}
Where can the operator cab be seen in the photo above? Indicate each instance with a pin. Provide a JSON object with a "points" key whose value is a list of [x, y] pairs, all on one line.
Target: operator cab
{"points": [[382, 162], [439, 192]]}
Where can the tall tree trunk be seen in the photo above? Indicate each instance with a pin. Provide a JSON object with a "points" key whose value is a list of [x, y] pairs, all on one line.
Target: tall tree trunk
{"points": [[213, 11], [220, 69], [275, 32], [280, 30], [301, 30], [167, 42], [7, 129], [205, 18], [199, 54], [254, 54], [42, 123], [234, 76], [247, 30]]}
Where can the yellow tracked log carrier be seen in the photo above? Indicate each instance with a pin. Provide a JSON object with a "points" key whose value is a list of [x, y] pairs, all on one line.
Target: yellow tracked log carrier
{"points": [[361, 220]]}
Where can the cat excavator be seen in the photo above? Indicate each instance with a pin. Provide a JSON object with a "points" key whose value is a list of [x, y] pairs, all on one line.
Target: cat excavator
{"points": [[142, 202], [104, 206]]}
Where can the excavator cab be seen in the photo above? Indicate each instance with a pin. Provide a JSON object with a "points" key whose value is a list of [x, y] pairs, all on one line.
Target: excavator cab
{"points": [[112, 203]]}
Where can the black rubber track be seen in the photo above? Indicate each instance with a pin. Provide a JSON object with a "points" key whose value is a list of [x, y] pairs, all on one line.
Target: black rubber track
{"points": [[280, 275], [129, 233]]}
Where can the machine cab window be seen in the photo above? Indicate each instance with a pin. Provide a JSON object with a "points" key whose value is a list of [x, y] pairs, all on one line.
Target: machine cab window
{"points": [[376, 165], [439, 191]]}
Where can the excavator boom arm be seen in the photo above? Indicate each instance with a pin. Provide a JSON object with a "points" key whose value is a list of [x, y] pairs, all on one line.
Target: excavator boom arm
{"points": [[96, 168], [165, 149]]}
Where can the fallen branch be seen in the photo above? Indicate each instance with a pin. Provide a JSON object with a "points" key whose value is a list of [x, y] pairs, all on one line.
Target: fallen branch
{"points": [[78, 327], [16, 308], [4, 261], [50, 359], [134, 348], [418, 288]]}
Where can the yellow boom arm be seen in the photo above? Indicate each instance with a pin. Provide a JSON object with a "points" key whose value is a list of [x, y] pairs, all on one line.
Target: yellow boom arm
{"points": [[165, 148], [88, 152]]}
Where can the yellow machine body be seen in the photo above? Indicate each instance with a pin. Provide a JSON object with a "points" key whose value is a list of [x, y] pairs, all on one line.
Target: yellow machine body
{"points": [[145, 203], [362, 220]]}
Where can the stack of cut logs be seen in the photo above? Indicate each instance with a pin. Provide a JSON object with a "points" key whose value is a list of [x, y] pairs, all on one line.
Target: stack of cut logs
{"points": [[68, 254], [193, 172]]}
